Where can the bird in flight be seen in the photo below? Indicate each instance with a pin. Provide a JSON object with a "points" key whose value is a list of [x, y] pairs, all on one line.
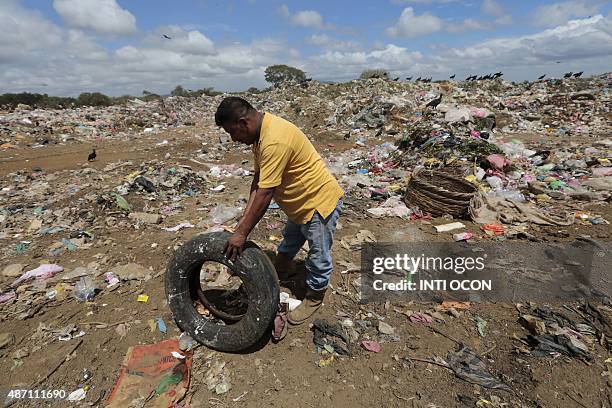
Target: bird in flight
{"points": [[452, 76], [541, 77], [166, 37]]}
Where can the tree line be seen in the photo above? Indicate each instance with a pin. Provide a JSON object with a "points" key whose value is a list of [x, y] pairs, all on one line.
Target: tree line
{"points": [[277, 75]]}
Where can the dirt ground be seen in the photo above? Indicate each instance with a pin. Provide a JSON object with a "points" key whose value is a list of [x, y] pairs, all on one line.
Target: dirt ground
{"points": [[284, 374]]}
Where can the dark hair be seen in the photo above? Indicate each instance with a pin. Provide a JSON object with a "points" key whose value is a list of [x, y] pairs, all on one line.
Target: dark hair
{"points": [[231, 109]]}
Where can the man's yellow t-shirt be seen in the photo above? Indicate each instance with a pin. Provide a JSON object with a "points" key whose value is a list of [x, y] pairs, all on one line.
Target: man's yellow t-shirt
{"points": [[287, 160]]}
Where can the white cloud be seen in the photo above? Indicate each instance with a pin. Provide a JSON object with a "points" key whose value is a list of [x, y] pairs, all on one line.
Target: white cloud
{"points": [[559, 13], [492, 7], [181, 40], [412, 25], [469, 24], [24, 31], [70, 61], [284, 10], [304, 18], [318, 39], [504, 20], [329, 43], [345, 65], [308, 18], [586, 44], [405, 2], [101, 16]]}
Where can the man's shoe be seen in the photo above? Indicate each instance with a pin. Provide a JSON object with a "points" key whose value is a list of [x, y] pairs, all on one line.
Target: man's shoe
{"points": [[311, 303]]}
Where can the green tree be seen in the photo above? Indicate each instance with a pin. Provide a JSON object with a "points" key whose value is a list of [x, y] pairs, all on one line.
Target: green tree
{"points": [[179, 91], [93, 99], [374, 73], [277, 74]]}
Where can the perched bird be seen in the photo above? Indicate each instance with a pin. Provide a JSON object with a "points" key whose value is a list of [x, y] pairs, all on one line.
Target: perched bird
{"points": [[541, 77], [499, 74], [396, 79], [409, 78], [92, 156], [435, 102], [166, 37], [578, 74], [567, 75], [452, 76]]}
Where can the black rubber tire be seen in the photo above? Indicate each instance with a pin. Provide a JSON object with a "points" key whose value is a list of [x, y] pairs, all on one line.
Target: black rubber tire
{"points": [[259, 280]]}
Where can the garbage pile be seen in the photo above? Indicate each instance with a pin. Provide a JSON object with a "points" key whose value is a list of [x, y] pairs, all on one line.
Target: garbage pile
{"points": [[520, 160]]}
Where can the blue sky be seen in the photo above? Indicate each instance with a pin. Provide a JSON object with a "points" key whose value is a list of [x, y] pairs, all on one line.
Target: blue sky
{"points": [[116, 46]]}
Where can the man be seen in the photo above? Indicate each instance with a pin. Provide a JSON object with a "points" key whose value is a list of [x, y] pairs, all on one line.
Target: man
{"points": [[288, 168]]}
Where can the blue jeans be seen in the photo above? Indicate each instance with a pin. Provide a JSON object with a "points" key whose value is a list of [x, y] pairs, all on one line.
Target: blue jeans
{"points": [[320, 235]]}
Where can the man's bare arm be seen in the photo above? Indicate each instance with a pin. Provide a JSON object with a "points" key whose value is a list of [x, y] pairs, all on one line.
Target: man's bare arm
{"points": [[254, 183], [254, 213], [256, 210]]}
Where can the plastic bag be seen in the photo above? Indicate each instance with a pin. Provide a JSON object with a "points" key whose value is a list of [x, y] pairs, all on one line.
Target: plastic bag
{"points": [[222, 214], [85, 289], [495, 182]]}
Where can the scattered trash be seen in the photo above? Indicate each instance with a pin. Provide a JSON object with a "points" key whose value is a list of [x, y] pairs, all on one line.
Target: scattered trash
{"points": [[291, 302], [385, 328], [371, 345], [44, 271], [449, 227], [161, 326], [143, 298], [85, 289], [281, 324], [186, 342], [77, 395], [418, 317], [548, 344], [355, 243], [179, 227], [217, 377], [131, 271], [468, 366], [493, 229], [121, 202], [324, 333], [111, 279], [161, 384], [463, 236], [481, 325]]}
